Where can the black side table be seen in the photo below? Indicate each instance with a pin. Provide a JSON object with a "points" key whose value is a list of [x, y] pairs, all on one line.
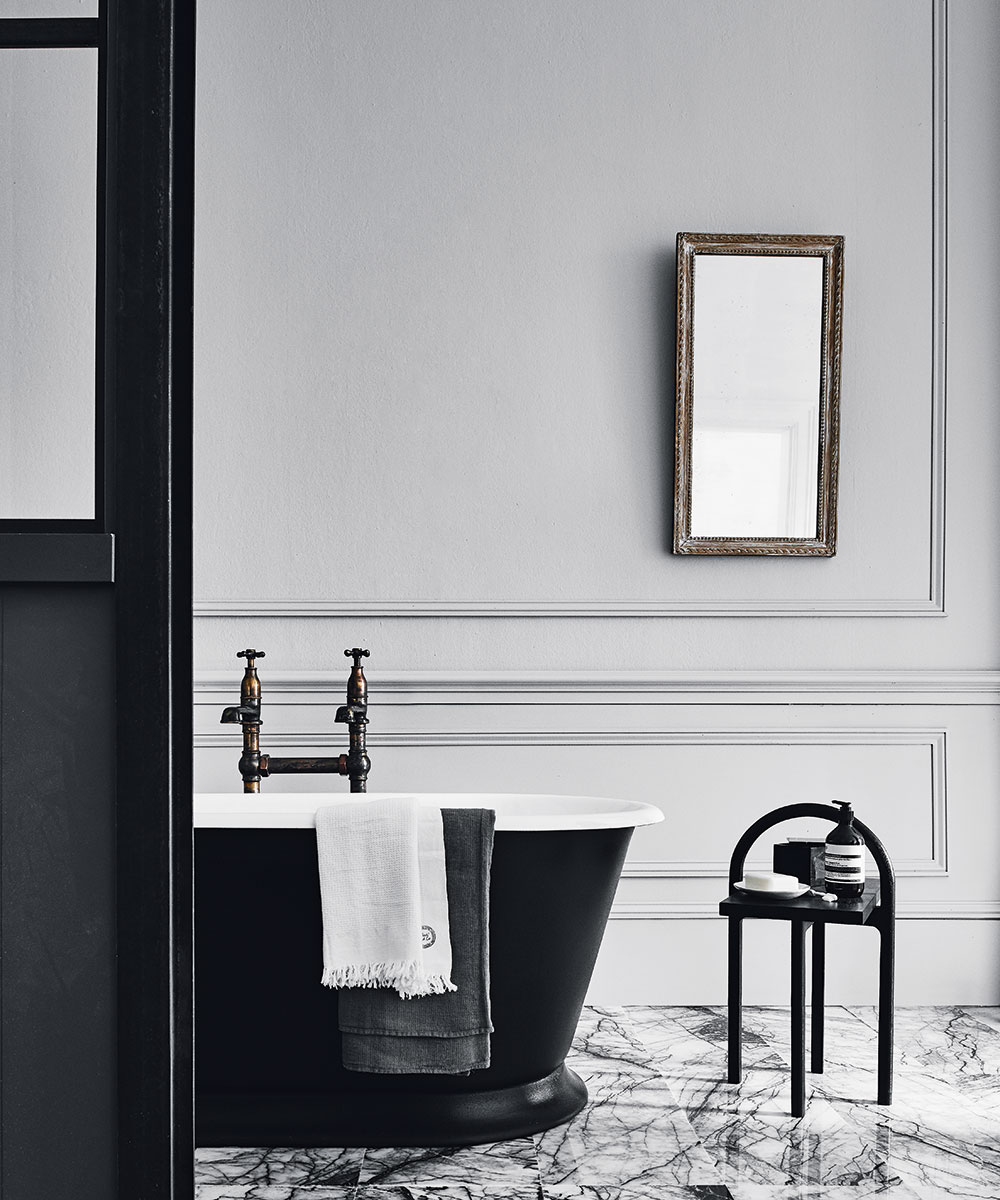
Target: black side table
{"points": [[875, 908]]}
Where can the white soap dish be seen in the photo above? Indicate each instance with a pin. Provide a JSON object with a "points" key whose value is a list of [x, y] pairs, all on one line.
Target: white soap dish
{"points": [[772, 895]]}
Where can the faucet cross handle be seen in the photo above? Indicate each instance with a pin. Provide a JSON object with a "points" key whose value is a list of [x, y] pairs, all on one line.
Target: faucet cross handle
{"points": [[250, 655], [357, 655]]}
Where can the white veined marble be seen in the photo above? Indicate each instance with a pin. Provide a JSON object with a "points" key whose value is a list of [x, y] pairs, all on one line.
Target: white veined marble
{"points": [[662, 1123]]}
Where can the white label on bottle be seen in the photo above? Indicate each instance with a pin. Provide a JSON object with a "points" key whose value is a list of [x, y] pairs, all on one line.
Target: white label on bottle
{"points": [[844, 864]]}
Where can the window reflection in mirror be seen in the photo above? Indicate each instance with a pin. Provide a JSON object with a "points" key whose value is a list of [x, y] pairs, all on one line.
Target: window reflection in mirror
{"points": [[757, 384]]}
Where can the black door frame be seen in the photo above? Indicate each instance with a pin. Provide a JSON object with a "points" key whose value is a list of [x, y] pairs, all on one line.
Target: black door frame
{"points": [[149, 345], [141, 538]]}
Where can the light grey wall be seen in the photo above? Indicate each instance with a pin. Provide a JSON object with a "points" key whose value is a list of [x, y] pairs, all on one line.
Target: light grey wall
{"points": [[434, 383]]}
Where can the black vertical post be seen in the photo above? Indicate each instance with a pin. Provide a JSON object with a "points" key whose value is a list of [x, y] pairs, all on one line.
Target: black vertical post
{"points": [[735, 999], [149, 247], [886, 999], [818, 989], [798, 981]]}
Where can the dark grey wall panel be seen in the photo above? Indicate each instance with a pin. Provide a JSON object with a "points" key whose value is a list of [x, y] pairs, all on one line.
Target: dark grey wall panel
{"points": [[57, 904]]}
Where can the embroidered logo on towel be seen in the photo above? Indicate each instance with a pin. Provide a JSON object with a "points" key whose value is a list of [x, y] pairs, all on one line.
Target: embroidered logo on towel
{"points": [[427, 936]]}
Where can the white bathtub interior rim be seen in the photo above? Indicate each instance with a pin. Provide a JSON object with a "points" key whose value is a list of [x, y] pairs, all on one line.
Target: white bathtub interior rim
{"points": [[514, 811]]}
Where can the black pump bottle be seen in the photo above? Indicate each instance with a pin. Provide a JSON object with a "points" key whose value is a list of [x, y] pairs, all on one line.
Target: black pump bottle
{"points": [[844, 856]]}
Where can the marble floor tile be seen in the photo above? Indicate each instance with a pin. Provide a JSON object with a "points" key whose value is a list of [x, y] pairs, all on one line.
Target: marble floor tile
{"points": [[662, 1123], [950, 1153], [631, 1133], [747, 1129], [807, 1191], [949, 1046], [985, 1016], [263, 1191], [753, 1138], [278, 1167], [636, 1190], [450, 1190], [606, 1039], [694, 1041], [508, 1164]]}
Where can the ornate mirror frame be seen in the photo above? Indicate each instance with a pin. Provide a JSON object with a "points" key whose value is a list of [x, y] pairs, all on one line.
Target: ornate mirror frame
{"points": [[690, 247]]}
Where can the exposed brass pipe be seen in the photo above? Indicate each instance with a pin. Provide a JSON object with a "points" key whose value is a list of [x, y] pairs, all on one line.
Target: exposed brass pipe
{"points": [[254, 766]]}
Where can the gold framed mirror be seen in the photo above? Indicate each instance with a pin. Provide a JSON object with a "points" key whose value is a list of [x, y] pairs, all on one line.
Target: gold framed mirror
{"points": [[758, 393]]}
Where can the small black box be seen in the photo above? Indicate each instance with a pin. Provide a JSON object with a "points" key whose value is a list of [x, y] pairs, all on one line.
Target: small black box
{"points": [[804, 860]]}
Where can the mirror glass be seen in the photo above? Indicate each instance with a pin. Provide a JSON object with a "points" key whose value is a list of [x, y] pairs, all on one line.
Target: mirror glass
{"points": [[758, 352]]}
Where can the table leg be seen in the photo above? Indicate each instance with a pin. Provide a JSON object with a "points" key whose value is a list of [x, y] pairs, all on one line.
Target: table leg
{"points": [[799, 1017], [818, 982], [735, 999], [886, 1001]]}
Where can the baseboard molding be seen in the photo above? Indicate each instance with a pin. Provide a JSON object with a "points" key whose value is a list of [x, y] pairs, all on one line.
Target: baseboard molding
{"points": [[680, 910]]}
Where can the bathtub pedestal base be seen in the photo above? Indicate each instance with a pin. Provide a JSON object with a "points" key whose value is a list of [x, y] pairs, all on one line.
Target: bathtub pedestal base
{"points": [[389, 1118]]}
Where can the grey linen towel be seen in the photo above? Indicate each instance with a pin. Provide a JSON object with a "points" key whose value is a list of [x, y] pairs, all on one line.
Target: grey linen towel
{"points": [[446, 1034]]}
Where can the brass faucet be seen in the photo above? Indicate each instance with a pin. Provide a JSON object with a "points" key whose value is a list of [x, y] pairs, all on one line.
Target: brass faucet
{"points": [[255, 766]]}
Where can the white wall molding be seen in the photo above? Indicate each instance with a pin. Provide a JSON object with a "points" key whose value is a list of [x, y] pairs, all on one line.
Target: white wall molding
{"points": [[683, 910], [922, 573], [590, 687], [934, 739], [939, 301], [929, 605], [478, 739], [368, 609]]}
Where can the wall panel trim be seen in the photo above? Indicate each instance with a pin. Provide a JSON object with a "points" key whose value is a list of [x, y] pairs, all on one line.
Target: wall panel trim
{"points": [[933, 739], [367, 609], [932, 604], [922, 910], [591, 687]]}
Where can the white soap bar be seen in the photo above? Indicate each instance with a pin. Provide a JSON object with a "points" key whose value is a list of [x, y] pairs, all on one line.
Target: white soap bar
{"points": [[770, 881]]}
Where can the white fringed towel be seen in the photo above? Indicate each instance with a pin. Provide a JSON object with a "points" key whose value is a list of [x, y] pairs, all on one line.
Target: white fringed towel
{"points": [[384, 894]]}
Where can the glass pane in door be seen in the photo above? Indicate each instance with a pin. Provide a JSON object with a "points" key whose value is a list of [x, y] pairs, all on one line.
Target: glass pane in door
{"points": [[48, 8], [48, 311]]}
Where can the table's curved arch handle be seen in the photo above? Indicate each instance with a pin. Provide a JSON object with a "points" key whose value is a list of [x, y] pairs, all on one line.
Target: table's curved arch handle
{"points": [[887, 876]]}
